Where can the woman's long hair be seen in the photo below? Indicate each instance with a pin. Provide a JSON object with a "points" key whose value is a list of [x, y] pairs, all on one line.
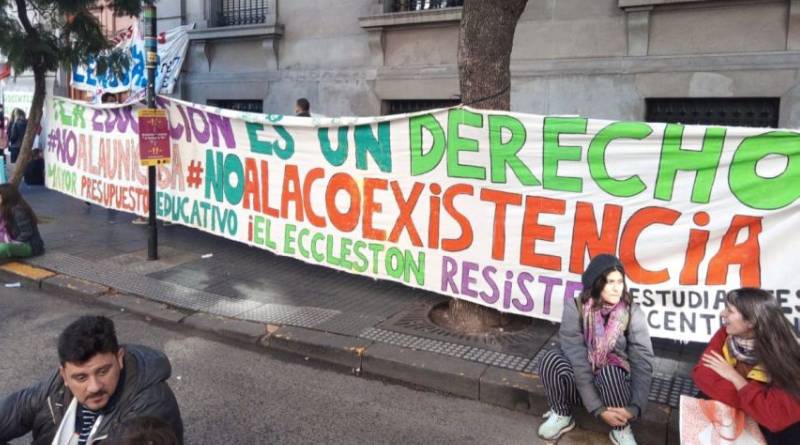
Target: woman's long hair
{"points": [[776, 344], [595, 291], [13, 117], [10, 198]]}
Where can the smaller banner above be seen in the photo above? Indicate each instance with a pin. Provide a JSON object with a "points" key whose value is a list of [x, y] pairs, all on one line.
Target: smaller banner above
{"points": [[172, 47]]}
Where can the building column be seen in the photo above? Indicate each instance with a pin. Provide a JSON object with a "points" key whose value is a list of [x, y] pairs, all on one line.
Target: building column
{"points": [[376, 40], [793, 36], [270, 47], [638, 27], [201, 49]]}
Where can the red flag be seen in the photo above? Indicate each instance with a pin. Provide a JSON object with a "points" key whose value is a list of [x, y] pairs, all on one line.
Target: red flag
{"points": [[5, 70]]}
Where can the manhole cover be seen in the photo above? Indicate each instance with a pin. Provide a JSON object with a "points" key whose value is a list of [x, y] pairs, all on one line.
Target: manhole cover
{"points": [[526, 341]]}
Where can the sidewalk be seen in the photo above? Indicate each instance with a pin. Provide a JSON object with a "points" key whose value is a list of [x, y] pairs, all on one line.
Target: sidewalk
{"points": [[371, 327]]}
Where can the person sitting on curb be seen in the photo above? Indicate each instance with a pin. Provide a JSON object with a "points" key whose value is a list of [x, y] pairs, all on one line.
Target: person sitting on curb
{"points": [[753, 364], [34, 171], [21, 225], [605, 360], [98, 386]]}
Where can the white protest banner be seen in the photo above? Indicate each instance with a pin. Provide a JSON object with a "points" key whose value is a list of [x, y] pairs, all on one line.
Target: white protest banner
{"points": [[13, 99], [500, 209], [172, 47]]}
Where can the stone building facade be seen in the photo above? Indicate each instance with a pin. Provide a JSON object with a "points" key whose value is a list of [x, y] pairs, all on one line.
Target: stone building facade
{"points": [[731, 62]]}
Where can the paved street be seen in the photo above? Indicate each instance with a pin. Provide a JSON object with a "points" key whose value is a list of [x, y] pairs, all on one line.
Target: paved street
{"points": [[233, 395]]}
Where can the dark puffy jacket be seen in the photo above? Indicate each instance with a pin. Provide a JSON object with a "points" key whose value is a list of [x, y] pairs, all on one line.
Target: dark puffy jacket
{"points": [[24, 230], [40, 408], [16, 132]]}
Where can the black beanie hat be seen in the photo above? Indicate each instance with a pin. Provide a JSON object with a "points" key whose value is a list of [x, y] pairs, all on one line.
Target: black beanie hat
{"points": [[597, 267]]}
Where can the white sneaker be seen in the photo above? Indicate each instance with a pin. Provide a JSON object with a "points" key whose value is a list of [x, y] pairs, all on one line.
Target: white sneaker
{"points": [[555, 426], [622, 437]]}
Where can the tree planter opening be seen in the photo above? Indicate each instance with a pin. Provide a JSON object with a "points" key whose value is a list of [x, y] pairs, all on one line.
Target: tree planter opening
{"points": [[468, 321]]}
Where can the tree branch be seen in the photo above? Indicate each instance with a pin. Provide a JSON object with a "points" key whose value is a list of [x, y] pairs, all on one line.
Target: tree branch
{"points": [[22, 13]]}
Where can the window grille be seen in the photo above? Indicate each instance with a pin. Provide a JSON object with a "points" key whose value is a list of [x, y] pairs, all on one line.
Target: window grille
{"points": [[736, 111], [250, 106], [423, 5], [242, 12], [410, 106]]}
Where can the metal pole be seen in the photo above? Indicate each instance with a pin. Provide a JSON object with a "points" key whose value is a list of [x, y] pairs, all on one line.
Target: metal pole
{"points": [[151, 54]]}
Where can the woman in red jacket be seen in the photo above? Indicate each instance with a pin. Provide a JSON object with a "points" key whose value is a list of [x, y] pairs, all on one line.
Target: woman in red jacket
{"points": [[753, 363]]}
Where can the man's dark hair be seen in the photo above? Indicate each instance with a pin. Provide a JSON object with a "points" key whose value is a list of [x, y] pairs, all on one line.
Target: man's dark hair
{"points": [[303, 104], [86, 337], [108, 98], [143, 431]]}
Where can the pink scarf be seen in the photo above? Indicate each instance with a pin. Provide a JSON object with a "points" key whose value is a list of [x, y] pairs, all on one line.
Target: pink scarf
{"points": [[601, 336], [5, 237]]}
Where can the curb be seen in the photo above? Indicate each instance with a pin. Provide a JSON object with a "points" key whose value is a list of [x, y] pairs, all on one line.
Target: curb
{"points": [[151, 310], [240, 330], [27, 275], [514, 390], [435, 371], [501, 387], [73, 287], [324, 346]]}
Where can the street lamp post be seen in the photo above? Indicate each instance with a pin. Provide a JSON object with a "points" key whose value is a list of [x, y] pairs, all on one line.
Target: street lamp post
{"points": [[150, 44]]}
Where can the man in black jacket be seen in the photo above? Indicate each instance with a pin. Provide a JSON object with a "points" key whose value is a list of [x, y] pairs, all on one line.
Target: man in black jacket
{"points": [[98, 386], [16, 132], [302, 108]]}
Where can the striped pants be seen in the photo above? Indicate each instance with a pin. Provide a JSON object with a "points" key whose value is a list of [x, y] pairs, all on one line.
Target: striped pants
{"points": [[613, 384]]}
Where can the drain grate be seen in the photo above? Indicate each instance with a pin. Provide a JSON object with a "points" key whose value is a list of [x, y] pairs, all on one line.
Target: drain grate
{"points": [[498, 359], [348, 323], [494, 358], [308, 317], [681, 386], [660, 388], [282, 314], [665, 388], [524, 342], [533, 366]]}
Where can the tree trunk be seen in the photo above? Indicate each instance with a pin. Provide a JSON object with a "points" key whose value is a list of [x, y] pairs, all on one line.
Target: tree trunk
{"points": [[485, 40], [34, 122]]}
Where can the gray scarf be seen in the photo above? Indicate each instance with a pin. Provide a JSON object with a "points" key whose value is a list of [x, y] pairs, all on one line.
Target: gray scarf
{"points": [[743, 349]]}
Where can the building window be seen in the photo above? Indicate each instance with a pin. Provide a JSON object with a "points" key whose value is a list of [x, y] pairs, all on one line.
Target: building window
{"points": [[411, 106], [250, 106], [733, 112], [423, 5], [242, 12]]}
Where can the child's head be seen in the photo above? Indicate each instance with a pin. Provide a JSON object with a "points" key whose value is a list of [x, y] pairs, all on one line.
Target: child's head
{"points": [[143, 431]]}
